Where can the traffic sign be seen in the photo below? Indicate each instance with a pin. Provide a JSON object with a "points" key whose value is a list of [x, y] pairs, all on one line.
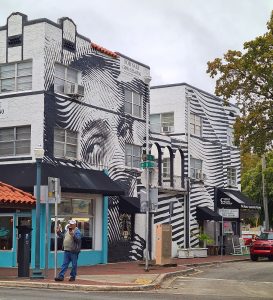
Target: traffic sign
{"points": [[147, 164]]}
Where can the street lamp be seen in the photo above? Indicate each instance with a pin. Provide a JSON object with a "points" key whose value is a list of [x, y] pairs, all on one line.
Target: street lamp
{"points": [[39, 154]]}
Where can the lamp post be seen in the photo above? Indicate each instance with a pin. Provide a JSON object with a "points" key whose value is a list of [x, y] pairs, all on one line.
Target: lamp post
{"points": [[39, 154], [147, 81]]}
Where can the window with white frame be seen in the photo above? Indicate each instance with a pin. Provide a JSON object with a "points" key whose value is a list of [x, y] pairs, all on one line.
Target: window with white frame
{"points": [[162, 123], [230, 136], [65, 143], [196, 168], [231, 176], [15, 77], [166, 167], [65, 79], [82, 211], [132, 155], [133, 103], [15, 141], [196, 124]]}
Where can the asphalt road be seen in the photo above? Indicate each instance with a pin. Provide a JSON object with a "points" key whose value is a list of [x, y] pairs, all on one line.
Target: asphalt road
{"points": [[240, 280], [232, 281]]}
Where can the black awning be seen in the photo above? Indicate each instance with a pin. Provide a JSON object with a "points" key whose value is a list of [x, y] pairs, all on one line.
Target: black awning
{"points": [[205, 213], [228, 198], [129, 205], [72, 179]]}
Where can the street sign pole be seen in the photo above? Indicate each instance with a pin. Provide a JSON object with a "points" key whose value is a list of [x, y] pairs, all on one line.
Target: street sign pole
{"points": [[54, 195], [46, 238]]}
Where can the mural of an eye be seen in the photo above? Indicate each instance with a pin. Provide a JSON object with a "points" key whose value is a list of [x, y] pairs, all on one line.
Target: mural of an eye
{"points": [[95, 137]]}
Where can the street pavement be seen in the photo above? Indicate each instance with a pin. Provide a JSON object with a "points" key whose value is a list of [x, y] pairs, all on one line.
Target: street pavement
{"points": [[123, 276]]}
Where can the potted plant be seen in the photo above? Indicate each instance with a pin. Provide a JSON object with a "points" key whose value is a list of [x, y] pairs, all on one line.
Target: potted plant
{"points": [[204, 240]]}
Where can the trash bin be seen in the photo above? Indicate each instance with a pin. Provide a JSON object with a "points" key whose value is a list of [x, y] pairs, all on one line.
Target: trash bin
{"points": [[24, 242]]}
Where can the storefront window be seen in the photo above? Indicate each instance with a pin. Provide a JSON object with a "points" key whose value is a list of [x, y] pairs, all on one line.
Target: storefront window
{"points": [[82, 211], [6, 232], [230, 227]]}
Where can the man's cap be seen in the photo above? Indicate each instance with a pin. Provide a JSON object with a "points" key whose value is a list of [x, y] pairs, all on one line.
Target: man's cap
{"points": [[71, 222]]}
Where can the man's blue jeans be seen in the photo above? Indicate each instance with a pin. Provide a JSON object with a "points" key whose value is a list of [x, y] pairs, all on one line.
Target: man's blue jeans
{"points": [[69, 257]]}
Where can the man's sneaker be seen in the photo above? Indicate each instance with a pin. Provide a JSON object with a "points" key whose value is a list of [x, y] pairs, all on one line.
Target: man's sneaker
{"points": [[59, 279], [71, 279]]}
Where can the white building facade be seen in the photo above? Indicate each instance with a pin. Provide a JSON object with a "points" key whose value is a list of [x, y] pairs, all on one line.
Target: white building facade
{"points": [[86, 107], [186, 119]]}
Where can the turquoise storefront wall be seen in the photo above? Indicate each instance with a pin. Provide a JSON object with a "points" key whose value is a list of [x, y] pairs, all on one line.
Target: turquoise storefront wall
{"points": [[86, 257]]}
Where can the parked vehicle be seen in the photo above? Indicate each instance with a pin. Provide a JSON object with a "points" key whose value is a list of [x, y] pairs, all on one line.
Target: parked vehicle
{"points": [[262, 247], [249, 238]]}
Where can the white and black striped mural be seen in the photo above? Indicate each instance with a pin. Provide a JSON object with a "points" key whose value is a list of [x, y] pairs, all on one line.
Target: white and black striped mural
{"points": [[211, 148], [104, 128], [99, 119]]}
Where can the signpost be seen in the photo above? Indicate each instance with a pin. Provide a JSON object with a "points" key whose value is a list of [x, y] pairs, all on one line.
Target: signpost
{"points": [[54, 196], [147, 198]]}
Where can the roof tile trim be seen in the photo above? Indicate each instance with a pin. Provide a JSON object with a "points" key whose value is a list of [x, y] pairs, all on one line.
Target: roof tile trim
{"points": [[103, 50], [10, 194]]}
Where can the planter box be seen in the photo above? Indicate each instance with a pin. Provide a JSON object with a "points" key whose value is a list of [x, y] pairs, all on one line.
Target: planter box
{"points": [[200, 252], [185, 253]]}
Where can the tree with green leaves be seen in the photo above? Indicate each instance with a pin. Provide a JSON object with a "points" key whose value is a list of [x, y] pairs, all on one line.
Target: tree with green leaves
{"points": [[247, 77], [252, 180]]}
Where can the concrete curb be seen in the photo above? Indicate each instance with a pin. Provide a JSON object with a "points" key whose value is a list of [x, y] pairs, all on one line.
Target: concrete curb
{"points": [[85, 287]]}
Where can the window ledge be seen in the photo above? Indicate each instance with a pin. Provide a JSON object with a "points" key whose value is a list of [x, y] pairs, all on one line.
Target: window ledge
{"points": [[15, 92], [135, 117]]}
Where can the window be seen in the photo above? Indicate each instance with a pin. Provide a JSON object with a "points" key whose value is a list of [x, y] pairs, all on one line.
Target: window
{"points": [[16, 77], [230, 137], [231, 176], [15, 141], [162, 122], [196, 168], [65, 143], [6, 232], [196, 125], [65, 78], [81, 210], [132, 156], [133, 103], [166, 167]]}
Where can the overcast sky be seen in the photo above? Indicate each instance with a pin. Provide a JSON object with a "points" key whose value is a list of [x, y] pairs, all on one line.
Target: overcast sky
{"points": [[175, 38]]}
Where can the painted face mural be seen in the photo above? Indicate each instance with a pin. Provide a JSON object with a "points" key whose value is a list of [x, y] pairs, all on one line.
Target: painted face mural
{"points": [[102, 127]]}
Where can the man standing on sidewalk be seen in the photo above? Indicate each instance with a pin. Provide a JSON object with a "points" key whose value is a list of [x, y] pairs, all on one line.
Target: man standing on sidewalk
{"points": [[72, 247]]}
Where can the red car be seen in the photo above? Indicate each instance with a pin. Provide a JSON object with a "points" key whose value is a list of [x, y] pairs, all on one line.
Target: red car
{"points": [[262, 247]]}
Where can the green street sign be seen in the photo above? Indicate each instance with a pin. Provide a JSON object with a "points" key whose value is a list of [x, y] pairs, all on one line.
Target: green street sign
{"points": [[147, 164], [150, 157]]}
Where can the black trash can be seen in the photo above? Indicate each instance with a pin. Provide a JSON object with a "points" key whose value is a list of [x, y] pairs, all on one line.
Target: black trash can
{"points": [[24, 244]]}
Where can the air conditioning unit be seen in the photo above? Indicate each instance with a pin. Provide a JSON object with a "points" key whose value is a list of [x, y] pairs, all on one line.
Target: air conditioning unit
{"points": [[167, 129], [200, 175], [74, 89], [231, 182]]}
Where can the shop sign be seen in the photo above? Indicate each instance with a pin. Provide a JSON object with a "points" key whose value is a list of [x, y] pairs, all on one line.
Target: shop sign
{"points": [[132, 68], [225, 201], [229, 213]]}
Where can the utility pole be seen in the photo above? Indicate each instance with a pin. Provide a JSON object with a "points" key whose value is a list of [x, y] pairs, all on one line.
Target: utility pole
{"points": [[265, 199]]}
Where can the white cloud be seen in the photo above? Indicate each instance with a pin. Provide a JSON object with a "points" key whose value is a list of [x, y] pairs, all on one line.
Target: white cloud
{"points": [[175, 38]]}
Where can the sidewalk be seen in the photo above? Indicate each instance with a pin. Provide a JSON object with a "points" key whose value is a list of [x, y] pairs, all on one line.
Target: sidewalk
{"points": [[126, 276]]}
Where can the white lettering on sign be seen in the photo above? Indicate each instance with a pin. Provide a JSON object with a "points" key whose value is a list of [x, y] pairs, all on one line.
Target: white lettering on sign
{"points": [[229, 213], [225, 201], [3, 110]]}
